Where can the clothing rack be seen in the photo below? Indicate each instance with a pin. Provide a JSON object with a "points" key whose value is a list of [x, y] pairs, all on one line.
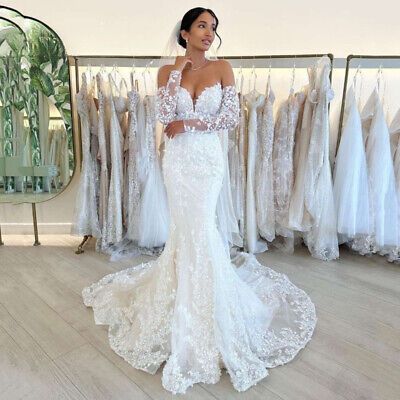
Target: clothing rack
{"points": [[370, 63], [256, 61]]}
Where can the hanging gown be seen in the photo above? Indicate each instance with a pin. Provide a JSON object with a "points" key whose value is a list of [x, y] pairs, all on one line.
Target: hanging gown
{"points": [[104, 176], [133, 178], [299, 217], [86, 220], [394, 130], [282, 155], [118, 103], [265, 173], [191, 307], [254, 102], [241, 193], [351, 188], [154, 216], [322, 238], [383, 200]]}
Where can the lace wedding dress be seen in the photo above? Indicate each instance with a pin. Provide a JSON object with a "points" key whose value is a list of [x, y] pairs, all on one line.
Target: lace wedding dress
{"points": [[254, 102], [265, 172], [86, 220], [192, 308]]}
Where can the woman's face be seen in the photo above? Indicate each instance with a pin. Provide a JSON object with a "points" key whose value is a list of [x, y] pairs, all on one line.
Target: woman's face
{"points": [[202, 32]]}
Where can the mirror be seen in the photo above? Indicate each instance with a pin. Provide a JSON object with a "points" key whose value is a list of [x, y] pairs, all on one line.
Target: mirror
{"points": [[37, 158]]}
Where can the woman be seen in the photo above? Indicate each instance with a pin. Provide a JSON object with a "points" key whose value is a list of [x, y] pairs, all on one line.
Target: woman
{"points": [[192, 308]]}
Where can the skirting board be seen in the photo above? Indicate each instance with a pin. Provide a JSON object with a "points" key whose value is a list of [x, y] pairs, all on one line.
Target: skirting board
{"points": [[43, 228]]}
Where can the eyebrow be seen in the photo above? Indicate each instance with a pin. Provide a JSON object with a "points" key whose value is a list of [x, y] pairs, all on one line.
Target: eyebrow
{"points": [[206, 22]]}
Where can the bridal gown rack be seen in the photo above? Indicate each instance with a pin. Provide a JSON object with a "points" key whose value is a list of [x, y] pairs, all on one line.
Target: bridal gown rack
{"points": [[298, 61], [368, 199]]}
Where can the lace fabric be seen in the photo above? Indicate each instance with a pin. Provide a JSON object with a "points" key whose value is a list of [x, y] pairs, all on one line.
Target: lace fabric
{"points": [[322, 238], [86, 220], [264, 172], [192, 308]]}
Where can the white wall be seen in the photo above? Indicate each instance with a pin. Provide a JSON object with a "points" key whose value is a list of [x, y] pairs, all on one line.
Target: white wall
{"points": [[247, 28]]}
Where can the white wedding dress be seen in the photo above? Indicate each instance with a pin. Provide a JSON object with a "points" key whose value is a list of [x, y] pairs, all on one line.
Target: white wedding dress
{"points": [[191, 307], [351, 186]]}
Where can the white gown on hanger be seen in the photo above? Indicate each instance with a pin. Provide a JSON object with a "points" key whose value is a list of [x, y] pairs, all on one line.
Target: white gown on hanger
{"points": [[103, 126], [254, 102], [285, 129], [264, 171], [191, 307], [133, 185], [384, 200], [299, 217], [394, 130], [322, 238], [118, 103], [153, 223], [86, 219], [351, 188]]}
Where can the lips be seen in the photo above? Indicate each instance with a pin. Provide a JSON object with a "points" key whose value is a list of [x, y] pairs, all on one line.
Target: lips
{"points": [[206, 42]]}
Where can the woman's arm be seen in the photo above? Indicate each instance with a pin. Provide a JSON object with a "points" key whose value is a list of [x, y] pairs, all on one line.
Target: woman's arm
{"points": [[168, 80], [228, 115]]}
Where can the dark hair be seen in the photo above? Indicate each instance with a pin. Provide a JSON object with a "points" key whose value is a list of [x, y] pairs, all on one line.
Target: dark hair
{"points": [[188, 20]]}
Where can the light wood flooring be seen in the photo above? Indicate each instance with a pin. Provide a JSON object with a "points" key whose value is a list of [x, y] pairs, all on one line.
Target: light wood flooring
{"points": [[50, 347]]}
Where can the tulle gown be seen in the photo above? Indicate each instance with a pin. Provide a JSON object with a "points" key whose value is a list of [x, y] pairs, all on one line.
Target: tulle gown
{"points": [[351, 187], [192, 308]]}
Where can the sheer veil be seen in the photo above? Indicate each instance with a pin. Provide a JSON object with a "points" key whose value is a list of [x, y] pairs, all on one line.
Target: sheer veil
{"points": [[227, 223]]}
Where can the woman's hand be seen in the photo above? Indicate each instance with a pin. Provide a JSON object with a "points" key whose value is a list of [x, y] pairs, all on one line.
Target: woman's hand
{"points": [[173, 128], [181, 61]]}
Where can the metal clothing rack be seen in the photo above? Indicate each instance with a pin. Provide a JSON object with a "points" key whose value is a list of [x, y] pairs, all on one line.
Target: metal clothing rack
{"points": [[369, 62], [257, 61]]}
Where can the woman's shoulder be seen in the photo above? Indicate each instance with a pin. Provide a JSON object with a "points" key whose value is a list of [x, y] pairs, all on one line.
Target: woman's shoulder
{"points": [[225, 71]]}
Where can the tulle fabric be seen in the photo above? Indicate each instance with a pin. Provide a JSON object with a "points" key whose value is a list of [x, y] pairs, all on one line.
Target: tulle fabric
{"points": [[351, 186]]}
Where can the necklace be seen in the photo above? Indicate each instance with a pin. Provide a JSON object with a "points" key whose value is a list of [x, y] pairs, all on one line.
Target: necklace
{"points": [[201, 66]]}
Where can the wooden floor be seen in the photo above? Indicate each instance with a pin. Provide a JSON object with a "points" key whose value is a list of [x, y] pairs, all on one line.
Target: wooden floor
{"points": [[50, 347]]}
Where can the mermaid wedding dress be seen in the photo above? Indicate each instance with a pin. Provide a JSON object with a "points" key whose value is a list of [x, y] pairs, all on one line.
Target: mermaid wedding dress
{"points": [[192, 307]]}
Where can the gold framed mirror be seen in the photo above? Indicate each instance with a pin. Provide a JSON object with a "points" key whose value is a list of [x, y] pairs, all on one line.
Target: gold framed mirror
{"points": [[37, 153]]}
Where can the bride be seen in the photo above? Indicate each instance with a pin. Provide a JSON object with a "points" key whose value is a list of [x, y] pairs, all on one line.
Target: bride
{"points": [[193, 308]]}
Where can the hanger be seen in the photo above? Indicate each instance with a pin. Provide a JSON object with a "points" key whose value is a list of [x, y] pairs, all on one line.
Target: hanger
{"points": [[293, 76], [89, 71], [356, 75], [268, 87], [132, 75]]}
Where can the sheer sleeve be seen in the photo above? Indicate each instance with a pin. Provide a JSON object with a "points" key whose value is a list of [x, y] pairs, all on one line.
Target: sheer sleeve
{"points": [[167, 97], [226, 119]]}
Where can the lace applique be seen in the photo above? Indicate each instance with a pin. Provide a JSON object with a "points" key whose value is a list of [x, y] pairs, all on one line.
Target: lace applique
{"points": [[194, 118], [167, 97], [226, 119]]}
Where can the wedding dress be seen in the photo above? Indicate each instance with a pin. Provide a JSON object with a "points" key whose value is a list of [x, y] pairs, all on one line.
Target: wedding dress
{"points": [[104, 176], [133, 185], [191, 307], [153, 223], [322, 238], [254, 102], [282, 155], [384, 200], [264, 171], [394, 130], [351, 187], [86, 220], [299, 217], [118, 107]]}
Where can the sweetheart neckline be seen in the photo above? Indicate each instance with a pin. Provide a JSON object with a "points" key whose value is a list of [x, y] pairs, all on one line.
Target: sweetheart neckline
{"points": [[194, 101]]}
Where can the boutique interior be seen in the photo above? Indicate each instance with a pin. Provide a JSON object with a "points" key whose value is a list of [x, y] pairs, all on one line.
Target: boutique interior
{"points": [[54, 242]]}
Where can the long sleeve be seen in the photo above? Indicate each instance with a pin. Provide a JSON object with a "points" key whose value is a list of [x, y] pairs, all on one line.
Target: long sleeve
{"points": [[226, 119], [167, 97]]}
